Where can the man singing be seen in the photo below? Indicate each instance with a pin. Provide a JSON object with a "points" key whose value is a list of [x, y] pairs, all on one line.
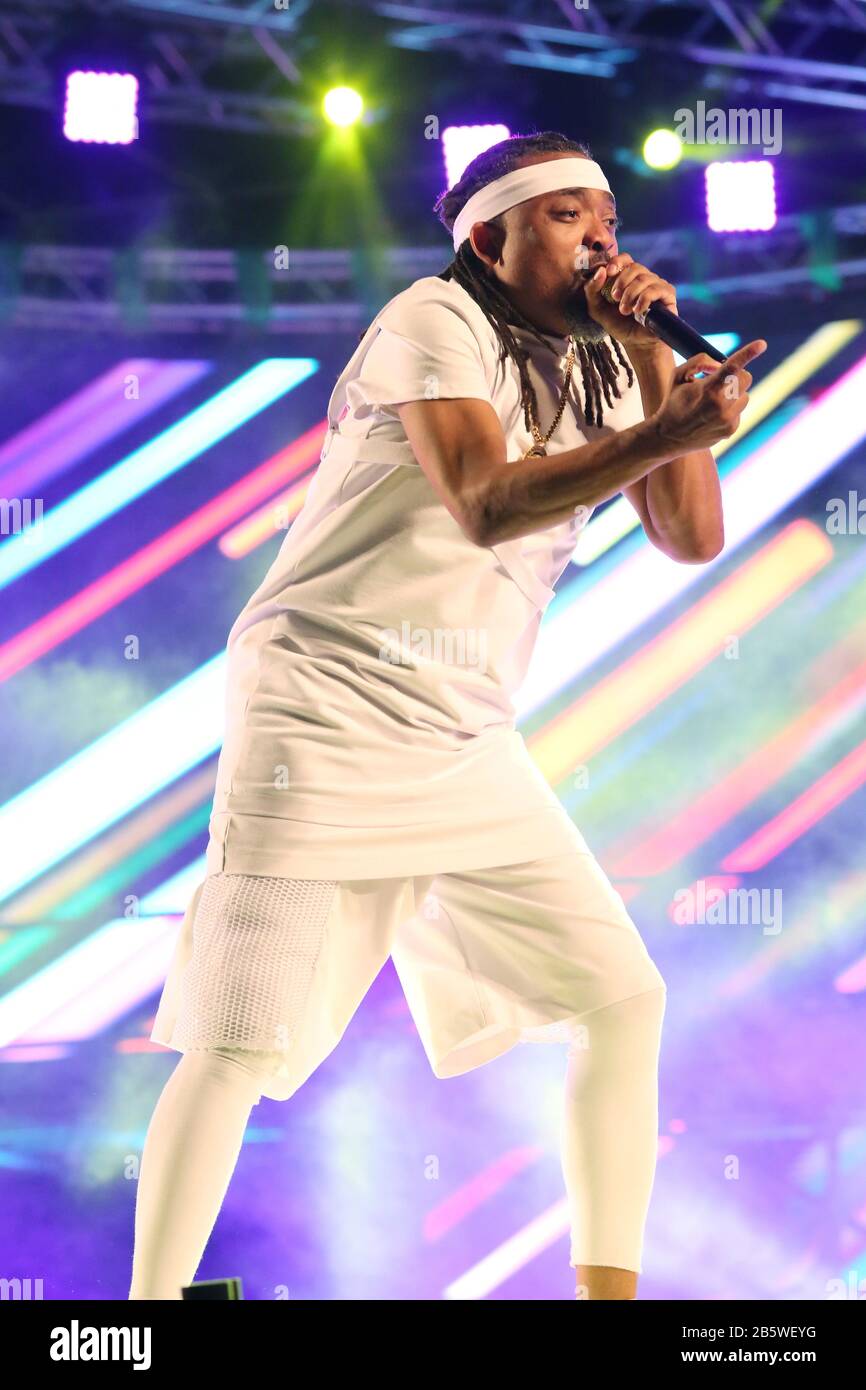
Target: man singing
{"points": [[374, 797]]}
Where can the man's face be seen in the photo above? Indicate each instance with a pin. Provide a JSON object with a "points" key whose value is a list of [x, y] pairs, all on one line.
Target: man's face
{"points": [[549, 241]]}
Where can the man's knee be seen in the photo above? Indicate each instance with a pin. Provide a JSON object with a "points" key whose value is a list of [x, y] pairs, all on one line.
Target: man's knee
{"points": [[637, 1018]]}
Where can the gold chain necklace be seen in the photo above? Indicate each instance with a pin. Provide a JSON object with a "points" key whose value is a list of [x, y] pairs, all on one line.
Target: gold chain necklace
{"points": [[537, 450]]}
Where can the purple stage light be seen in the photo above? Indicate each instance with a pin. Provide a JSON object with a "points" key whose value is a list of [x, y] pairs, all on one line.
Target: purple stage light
{"points": [[101, 106], [741, 196], [461, 143]]}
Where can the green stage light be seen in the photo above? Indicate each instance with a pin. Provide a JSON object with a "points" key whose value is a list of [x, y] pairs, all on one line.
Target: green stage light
{"points": [[662, 149], [343, 105]]}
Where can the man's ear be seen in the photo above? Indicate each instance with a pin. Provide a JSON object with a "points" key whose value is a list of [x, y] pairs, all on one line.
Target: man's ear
{"points": [[486, 240]]}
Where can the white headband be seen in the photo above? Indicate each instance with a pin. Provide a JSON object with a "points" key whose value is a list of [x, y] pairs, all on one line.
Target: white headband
{"points": [[529, 182]]}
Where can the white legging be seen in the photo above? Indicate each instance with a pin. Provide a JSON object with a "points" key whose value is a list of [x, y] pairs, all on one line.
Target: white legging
{"points": [[609, 1142]]}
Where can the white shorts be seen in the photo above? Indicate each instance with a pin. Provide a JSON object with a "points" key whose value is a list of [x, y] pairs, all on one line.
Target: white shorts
{"points": [[486, 958]]}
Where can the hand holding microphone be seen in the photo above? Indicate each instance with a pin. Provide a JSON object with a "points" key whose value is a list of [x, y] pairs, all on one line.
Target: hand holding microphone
{"points": [[639, 308]]}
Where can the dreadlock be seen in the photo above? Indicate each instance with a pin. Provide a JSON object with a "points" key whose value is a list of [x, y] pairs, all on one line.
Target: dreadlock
{"points": [[598, 368]]}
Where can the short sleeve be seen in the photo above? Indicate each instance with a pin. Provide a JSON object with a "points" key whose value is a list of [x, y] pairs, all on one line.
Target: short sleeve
{"points": [[426, 349]]}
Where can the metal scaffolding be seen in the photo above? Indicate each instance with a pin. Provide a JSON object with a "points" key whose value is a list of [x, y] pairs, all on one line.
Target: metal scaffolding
{"points": [[807, 53], [812, 256], [813, 54], [181, 50]]}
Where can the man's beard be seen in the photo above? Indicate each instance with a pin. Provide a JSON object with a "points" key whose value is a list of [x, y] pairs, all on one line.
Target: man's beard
{"points": [[581, 324]]}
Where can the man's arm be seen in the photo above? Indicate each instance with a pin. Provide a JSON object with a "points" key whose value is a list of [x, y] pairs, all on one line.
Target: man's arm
{"points": [[680, 503], [461, 447]]}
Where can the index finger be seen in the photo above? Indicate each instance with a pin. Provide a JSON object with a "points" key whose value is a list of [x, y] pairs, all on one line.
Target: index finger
{"points": [[701, 362], [617, 263], [746, 354]]}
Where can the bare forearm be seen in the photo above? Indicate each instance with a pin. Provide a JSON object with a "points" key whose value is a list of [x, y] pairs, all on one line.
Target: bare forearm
{"points": [[682, 499], [532, 494]]}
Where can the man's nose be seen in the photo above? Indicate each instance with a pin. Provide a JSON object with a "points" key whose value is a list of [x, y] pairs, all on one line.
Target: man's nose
{"points": [[601, 241]]}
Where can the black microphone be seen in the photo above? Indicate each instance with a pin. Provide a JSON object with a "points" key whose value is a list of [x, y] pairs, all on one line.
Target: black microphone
{"points": [[669, 327]]}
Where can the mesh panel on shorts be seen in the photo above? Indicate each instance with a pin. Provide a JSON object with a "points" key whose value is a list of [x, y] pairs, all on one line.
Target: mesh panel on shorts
{"points": [[256, 941]]}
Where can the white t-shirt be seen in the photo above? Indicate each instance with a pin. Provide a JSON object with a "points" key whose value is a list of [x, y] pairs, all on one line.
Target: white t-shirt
{"points": [[370, 730]]}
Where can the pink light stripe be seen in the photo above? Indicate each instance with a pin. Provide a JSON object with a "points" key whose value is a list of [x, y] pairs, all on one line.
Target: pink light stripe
{"points": [[840, 906], [52, 1053], [471, 1194], [136, 1045], [852, 980], [159, 555], [656, 852], [88, 419], [836, 785]]}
